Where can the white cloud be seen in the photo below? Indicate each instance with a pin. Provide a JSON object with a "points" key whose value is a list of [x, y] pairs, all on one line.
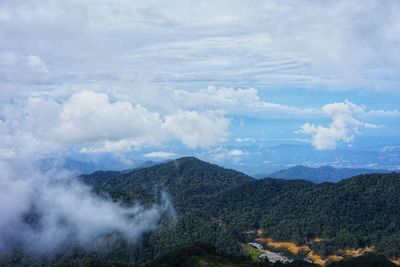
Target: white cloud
{"points": [[305, 43], [236, 153], [54, 197], [55, 49], [88, 116], [223, 154], [90, 120], [234, 101], [21, 68], [244, 139], [384, 113], [227, 99], [92, 123], [197, 130], [342, 128], [160, 154]]}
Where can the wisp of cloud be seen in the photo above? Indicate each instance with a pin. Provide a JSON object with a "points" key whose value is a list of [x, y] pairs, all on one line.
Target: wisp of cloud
{"points": [[50, 210]]}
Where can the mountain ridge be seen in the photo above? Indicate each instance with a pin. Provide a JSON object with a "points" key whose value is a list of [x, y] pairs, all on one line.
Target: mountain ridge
{"points": [[325, 173], [218, 206], [352, 209]]}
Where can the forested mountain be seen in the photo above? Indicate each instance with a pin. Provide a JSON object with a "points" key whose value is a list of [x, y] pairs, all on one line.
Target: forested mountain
{"points": [[186, 179], [215, 205], [357, 212], [319, 174]]}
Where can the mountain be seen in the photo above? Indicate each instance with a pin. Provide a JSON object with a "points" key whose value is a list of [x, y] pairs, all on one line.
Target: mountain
{"points": [[320, 174], [219, 206], [190, 183], [186, 180], [279, 156], [358, 212], [216, 205]]}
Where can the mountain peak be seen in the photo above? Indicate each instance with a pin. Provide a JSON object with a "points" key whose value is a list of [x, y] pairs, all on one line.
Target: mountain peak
{"points": [[190, 161], [189, 158]]}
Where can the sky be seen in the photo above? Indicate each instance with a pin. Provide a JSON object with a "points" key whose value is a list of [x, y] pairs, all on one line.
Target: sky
{"points": [[252, 85]]}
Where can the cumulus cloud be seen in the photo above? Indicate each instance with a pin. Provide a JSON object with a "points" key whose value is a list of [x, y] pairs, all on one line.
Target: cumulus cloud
{"points": [[88, 116], [197, 130], [95, 122], [71, 56], [342, 128], [92, 123], [51, 210]]}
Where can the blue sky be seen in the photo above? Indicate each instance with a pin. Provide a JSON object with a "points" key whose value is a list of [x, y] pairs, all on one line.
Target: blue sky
{"points": [[114, 83]]}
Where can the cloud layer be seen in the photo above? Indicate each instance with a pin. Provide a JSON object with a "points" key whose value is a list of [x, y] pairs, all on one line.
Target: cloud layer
{"points": [[93, 77], [50, 210], [338, 44]]}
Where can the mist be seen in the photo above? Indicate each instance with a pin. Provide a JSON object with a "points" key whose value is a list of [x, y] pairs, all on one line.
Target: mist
{"points": [[43, 211]]}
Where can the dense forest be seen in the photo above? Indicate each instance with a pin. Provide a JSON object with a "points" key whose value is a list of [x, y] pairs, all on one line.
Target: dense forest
{"points": [[214, 205], [206, 255], [357, 212]]}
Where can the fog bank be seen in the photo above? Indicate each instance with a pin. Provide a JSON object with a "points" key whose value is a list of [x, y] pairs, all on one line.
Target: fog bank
{"points": [[43, 211]]}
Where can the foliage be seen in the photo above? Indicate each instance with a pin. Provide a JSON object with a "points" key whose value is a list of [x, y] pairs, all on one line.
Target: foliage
{"points": [[216, 205]]}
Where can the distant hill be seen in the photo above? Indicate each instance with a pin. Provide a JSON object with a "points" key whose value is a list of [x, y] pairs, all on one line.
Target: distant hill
{"points": [[320, 174]]}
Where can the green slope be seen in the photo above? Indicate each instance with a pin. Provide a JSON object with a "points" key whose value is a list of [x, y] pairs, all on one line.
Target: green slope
{"points": [[216, 205], [357, 212]]}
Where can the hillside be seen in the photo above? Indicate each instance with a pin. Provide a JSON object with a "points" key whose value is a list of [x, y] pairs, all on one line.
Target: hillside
{"points": [[357, 212], [190, 183], [217, 206], [186, 179], [214, 204], [320, 174]]}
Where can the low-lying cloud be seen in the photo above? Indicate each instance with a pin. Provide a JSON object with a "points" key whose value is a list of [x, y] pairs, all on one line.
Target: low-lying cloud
{"points": [[50, 210]]}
